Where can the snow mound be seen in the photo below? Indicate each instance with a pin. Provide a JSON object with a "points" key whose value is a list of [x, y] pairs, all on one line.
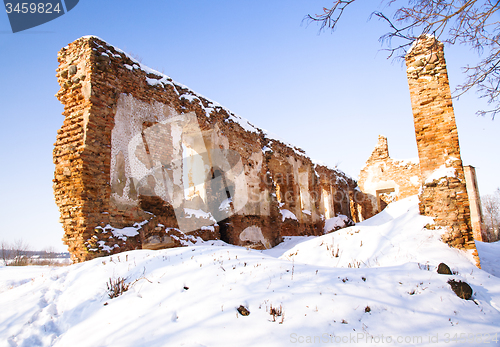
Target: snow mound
{"points": [[490, 256], [382, 285], [393, 237]]}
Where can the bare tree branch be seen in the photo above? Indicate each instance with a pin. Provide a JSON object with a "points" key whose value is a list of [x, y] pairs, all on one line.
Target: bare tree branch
{"points": [[469, 22]]}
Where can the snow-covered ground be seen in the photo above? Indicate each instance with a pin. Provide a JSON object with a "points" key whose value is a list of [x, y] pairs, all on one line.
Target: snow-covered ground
{"points": [[371, 284]]}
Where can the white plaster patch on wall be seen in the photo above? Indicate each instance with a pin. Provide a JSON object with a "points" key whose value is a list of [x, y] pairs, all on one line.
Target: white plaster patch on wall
{"points": [[86, 89], [145, 160], [374, 181], [259, 201], [305, 198], [254, 234], [295, 170], [372, 186], [176, 132], [327, 203], [415, 180], [126, 138], [85, 123]]}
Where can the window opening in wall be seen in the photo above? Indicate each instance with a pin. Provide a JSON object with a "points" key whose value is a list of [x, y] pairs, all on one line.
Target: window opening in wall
{"points": [[304, 191], [225, 230], [338, 202], [383, 198], [278, 194], [220, 199], [193, 174], [327, 204]]}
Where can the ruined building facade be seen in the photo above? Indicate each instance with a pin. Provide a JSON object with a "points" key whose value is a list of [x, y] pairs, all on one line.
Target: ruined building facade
{"points": [[144, 162], [384, 180], [447, 190]]}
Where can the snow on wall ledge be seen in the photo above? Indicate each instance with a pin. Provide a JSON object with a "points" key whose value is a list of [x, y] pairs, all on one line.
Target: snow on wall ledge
{"points": [[137, 149]]}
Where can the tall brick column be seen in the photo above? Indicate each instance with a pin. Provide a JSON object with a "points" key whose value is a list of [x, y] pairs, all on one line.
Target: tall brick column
{"points": [[444, 194], [475, 204]]}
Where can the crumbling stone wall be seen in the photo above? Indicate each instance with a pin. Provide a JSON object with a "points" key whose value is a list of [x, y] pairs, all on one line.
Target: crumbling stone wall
{"points": [[385, 180], [444, 193], [144, 162]]}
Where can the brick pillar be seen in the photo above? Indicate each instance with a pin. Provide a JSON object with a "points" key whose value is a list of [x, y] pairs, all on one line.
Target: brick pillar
{"points": [[475, 204], [82, 151], [444, 193]]}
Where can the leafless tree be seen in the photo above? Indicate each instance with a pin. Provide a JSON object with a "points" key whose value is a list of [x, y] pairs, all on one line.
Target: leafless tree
{"points": [[491, 214], [5, 252], [50, 252], [20, 250], [470, 22]]}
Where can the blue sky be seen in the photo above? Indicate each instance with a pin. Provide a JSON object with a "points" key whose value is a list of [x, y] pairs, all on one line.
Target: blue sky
{"points": [[330, 94]]}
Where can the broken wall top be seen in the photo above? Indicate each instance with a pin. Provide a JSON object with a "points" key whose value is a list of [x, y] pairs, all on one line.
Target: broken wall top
{"points": [[103, 52]]}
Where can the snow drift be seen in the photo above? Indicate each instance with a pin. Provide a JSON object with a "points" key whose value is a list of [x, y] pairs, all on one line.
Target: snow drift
{"points": [[374, 283]]}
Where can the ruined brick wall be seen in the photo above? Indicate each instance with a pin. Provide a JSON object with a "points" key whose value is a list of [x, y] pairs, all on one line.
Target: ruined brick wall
{"points": [[335, 189], [144, 162], [362, 205], [444, 193], [384, 180]]}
